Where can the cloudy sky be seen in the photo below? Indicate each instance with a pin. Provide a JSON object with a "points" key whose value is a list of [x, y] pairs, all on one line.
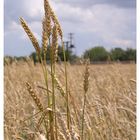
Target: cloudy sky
{"points": [[110, 23]]}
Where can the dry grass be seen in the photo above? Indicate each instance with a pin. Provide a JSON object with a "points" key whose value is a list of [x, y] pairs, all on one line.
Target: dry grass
{"points": [[110, 111]]}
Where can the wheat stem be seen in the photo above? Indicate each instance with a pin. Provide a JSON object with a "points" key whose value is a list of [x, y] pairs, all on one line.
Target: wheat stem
{"points": [[85, 85], [66, 85]]}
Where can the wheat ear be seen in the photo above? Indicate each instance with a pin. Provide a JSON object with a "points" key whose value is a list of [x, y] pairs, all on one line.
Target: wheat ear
{"points": [[85, 85], [55, 42], [47, 18], [59, 86], [55, 20], [44, 39], [34, 96], [86, 78], [53, 17], [37, 102], [30, 35]]}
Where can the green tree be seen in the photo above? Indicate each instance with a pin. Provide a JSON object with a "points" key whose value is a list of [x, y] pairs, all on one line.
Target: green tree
{"points": [[34, 57], [97, 53], [118, 54], [130, 54], [69, 55]]}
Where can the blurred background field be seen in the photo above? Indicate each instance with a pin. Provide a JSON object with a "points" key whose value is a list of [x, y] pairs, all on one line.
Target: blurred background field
{"points": [[110, 112]]}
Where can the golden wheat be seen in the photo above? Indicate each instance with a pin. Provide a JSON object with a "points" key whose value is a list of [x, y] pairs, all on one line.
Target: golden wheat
{"points": [[30, 35], [107, 110], [34, 96], [44, 38], [55, 42], [47, 18], [107, 100]]}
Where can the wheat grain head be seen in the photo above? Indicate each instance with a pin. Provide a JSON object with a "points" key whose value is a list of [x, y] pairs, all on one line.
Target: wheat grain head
{"points": [[30, 35]]}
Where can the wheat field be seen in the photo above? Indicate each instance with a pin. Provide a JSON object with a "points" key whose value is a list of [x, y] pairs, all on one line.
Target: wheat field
{"points": [[63, 101], [110, 110]]}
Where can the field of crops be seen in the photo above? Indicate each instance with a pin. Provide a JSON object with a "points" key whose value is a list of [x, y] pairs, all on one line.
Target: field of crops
{"points": [[110, 107]]}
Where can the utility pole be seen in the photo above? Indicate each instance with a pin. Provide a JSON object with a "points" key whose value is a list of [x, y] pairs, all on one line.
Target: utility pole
{"points": [[71, 37], [66, 43], [69, 45]]}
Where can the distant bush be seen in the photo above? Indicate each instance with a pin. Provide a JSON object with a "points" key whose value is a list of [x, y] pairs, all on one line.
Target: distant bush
{"points": [[123, 55], [118, 54], [97, 53]]}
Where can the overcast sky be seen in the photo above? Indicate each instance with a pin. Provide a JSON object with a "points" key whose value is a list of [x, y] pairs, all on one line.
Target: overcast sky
{"points": [[110, 23]]}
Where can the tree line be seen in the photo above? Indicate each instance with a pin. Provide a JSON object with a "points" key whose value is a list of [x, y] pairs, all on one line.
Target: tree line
{"points": [[99, 53], [95, 54]]}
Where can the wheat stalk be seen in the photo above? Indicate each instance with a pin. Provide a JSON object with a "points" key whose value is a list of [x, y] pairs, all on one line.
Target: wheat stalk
{"points": [[66, 85], [56, 32], [55, 43]]}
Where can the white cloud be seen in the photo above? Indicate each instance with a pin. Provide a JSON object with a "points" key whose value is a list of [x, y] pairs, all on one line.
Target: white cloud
{"points": [[33, 8], [102, 20], [13, 26], [16, 28], [89, 3], [100, 23], [122, 42], [71, 13]]}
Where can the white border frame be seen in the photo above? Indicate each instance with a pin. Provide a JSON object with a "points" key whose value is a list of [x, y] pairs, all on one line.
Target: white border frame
{"points": [[1, 69], [2, 74], [138, 69]]}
